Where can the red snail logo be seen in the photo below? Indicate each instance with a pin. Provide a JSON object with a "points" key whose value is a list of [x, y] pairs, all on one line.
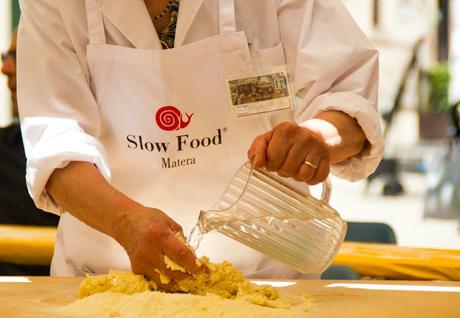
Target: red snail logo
{"points": [[170, 118]]}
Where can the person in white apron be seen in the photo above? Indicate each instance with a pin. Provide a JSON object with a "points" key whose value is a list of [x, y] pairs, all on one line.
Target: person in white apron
{"points": [[167, 142]]}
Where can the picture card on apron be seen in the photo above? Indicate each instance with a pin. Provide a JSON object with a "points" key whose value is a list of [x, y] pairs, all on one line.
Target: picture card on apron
{"points": [[259, 92]]}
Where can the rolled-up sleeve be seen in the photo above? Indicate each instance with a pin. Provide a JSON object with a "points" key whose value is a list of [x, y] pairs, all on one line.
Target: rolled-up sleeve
{"points": [[333, 66], [59, 115]]}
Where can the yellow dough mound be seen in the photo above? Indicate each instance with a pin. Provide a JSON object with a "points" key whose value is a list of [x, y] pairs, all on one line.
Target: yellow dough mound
{"points": [[222, 291], [221, 279]]}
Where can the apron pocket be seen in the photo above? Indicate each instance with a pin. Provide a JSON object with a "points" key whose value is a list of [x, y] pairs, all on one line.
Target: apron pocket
{"points": [[273, 56]]}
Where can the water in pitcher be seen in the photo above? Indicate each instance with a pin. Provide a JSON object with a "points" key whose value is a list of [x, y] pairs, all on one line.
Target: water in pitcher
{"points": [[262, 212], [298, 243]]}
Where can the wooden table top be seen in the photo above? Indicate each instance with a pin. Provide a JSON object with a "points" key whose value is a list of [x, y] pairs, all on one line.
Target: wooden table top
{"points": [[344, 299]]}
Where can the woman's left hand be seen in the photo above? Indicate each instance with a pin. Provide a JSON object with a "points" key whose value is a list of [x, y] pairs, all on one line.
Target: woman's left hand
{"points": [[292, 151]]}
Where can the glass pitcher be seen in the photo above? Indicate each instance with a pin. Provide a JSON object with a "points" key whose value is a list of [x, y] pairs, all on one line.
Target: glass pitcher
{"points": [[260, 210]]}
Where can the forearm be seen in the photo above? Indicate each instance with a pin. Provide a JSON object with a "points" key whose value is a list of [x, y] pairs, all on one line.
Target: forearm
{"points": [[340, 131], [82, 191]]}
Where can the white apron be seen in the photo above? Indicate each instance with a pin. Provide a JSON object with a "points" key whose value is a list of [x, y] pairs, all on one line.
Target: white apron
{"points": [[170, 137]]}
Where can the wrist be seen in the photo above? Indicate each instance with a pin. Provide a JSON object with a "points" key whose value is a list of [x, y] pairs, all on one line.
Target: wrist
{"points": [[340, 132], [327, 131], [123, 211]]}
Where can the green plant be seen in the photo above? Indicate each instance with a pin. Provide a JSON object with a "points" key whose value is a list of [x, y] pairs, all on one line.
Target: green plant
{"points": [[439, 80]]}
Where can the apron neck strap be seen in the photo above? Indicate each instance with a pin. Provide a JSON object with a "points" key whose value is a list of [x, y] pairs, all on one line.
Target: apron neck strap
{"points": [[227, 21], [96, 30]]}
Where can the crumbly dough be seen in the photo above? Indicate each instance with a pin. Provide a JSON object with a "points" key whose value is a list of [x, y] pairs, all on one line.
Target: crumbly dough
{"points": [[226, 281], [221, 279], [222, 291], [114, 281], [174, 266]]}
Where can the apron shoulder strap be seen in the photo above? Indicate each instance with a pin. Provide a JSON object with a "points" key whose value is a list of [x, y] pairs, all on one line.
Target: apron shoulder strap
{"points": [[96, 30], [227, 21]]}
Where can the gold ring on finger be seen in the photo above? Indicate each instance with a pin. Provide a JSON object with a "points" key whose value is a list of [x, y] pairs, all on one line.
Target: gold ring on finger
{"points": [[311, 165]]}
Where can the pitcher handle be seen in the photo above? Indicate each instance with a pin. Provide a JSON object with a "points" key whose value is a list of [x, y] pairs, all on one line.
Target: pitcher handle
{"points": [[327, 189]]}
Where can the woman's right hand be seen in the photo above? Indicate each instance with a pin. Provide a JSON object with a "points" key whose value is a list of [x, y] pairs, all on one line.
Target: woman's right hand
{"points": [[148, 235]]}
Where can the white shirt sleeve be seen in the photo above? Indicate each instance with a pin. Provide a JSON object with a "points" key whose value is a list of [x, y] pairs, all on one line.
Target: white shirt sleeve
{"points": [[333, 67], [59, 115]]}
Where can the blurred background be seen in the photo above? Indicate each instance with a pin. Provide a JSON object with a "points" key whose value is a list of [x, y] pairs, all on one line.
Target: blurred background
{"points": [[416, 189], [413, 199]]}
